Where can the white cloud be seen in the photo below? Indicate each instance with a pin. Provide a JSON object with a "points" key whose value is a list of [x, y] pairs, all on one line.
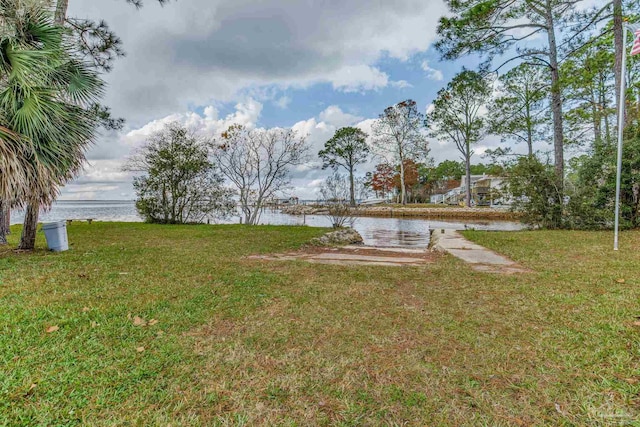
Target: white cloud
{"points": [[211, 112], [78, 189], [203, 51], [196, 53], [87, 195], [432, 73], [316, 183], [401, 84], [333, 115], [358, 78], [247, 114], [282, 102], [588, 4], [103, 175], [430, 108], [317, 133], [104, 172]]}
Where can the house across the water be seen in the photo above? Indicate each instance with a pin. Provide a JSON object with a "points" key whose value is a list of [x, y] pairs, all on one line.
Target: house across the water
{"points": [[485, 191]]}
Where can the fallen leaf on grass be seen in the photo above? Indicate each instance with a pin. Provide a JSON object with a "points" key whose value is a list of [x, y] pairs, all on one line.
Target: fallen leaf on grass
{"points": [[140, 349], [85, 309], [620, 280], [139, 321], [636, 323], [51, 329], [33, 386], [153, 322]]}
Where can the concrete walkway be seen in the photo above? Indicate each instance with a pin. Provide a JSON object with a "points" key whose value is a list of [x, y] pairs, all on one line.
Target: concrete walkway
{"points": [[480, 258]]}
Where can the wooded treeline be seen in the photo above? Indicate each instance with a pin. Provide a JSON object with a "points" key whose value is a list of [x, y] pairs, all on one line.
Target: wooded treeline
{"points": [[552, 67]]}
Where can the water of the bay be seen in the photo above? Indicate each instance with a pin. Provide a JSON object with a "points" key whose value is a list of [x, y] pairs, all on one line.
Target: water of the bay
{"points": [[374, 231]]}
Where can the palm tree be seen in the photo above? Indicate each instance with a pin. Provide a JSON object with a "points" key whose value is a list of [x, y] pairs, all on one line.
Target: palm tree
{"points": [[46, 98]]}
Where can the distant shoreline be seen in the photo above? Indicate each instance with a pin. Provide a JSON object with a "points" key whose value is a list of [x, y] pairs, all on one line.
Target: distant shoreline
{"points": [[414, 212], [96, 201]]}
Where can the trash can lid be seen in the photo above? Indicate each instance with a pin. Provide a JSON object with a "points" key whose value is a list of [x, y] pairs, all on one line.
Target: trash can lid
{"points": [[57, 224]]}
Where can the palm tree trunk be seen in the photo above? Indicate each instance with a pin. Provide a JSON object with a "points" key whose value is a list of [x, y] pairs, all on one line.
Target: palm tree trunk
{"points": [[29, 229], [4, 222], [28, 238], [61, 11]]}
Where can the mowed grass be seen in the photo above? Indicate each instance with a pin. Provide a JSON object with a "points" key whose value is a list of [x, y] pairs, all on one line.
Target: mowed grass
{"points": [[173, 325]]}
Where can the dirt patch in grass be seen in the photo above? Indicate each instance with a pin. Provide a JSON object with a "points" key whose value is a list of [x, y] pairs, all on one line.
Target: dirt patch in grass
{"points": [[372, 251], [355, 256]]}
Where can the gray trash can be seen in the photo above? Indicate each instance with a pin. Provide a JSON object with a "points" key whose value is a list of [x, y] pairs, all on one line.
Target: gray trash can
{"points": [[56, 234]]}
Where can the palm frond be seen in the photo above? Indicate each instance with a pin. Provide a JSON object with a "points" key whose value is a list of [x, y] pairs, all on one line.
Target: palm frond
{"points": [[47, 98]]}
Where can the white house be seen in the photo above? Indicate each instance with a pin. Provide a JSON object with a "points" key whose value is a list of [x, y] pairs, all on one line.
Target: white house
{"points": [[485, 191]]}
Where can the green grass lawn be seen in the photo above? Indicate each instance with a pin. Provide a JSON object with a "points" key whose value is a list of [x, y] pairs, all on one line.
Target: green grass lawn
{"points": [[172, 325]]}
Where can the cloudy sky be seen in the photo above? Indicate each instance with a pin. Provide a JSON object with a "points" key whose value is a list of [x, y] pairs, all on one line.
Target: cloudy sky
{"points": [[313, 65]]}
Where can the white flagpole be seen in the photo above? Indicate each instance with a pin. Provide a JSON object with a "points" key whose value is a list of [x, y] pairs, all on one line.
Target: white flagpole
{"points": [[620, 134]]}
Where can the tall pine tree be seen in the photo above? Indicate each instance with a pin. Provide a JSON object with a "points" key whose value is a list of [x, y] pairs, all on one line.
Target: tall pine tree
{"points": [[500, 29]]}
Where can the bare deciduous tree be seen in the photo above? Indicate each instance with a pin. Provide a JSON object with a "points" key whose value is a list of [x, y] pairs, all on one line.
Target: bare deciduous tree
{"points": [[257, 162], [398, 136], [335, 194]]}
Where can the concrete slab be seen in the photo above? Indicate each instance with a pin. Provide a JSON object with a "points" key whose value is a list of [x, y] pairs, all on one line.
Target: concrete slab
{"points": [[362, 257], [452, 240], [373, 257], [480, 258], [392, 249], [356, 263]]}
